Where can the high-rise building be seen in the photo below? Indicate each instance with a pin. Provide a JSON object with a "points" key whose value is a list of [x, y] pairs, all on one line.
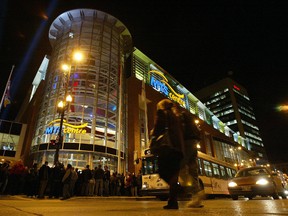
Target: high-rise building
{"points": [[229, 101]]}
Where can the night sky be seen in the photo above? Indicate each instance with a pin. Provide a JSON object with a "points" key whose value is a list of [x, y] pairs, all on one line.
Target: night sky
{"points": [[198, 42]]}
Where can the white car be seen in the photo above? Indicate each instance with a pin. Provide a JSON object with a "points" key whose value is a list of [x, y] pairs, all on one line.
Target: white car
{"points": [[253, 181]]}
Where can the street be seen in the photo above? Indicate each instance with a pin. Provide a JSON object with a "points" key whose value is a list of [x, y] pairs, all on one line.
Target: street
{"points": [[128, 206]]}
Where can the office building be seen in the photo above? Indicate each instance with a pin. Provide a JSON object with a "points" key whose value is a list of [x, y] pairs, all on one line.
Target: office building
{"points": [[229, 101]]}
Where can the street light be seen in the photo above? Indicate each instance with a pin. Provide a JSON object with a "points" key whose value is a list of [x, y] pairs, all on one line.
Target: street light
{"points": [[61, 108], [77, 56]]}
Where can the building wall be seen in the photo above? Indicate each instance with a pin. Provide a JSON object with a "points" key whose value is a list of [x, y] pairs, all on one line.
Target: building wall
{"points": [[135, 125], [12, 136]]}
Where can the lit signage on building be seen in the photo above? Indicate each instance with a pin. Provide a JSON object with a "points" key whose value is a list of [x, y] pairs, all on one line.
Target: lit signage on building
{"points": [[71, 129], [164, 87], [236, 87]]}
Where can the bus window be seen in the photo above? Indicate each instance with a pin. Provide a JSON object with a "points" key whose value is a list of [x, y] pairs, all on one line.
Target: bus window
{"points": [[231, 172], [200, 169], [149, 165], [207, 168], [216, 171], [234, 172], [223, 172]]}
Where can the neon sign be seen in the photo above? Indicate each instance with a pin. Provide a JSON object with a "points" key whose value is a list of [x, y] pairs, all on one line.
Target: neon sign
{"points": [[72, 129], [164, 87], [236, 87]]}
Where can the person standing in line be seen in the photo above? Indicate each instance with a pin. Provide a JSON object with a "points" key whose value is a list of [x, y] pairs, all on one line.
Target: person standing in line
{"points": [[139, 183], [57, 173], [86, 175], [113, 184], [74, 178], [91, 184], [128, 184], [119, 184], [66, 180], [192, 137], [32, 181], [79, 182], [99, 176], [4, 176], [168, 117], [44, 173], [106, 180], [134, 185]]}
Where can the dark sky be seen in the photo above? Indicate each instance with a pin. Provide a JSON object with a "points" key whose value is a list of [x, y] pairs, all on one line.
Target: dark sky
{"points": [[198, 42]]}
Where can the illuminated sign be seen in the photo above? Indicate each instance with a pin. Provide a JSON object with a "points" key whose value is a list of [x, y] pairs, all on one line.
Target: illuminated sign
{"points": [[164, 87], [72, 129], [236, 87]]}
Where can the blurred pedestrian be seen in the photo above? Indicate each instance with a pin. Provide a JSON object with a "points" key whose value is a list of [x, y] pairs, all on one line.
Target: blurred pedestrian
{"points": [[191, 138], [168, 120]]}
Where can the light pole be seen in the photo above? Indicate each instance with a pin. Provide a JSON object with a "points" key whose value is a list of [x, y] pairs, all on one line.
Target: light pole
{"points": [[61, 108], [77, 56]]}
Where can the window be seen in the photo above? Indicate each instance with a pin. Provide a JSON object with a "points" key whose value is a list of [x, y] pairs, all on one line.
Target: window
{"points": [[207, 168], [216, 171]]}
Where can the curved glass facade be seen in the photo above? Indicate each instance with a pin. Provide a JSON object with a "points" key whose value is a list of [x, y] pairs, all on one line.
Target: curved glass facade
{"points": [[94, 122]]}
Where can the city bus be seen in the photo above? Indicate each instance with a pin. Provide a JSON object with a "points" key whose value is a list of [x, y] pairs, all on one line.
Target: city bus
{"points": [[213, 177]]}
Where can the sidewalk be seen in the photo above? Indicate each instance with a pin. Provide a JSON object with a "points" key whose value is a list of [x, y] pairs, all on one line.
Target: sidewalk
{"points": [[83, 197]]}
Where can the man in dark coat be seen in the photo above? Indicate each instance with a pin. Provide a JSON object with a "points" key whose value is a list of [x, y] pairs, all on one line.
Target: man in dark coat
{"points": [[168, 117], [44, 173], [86, 176], [66, 182]]}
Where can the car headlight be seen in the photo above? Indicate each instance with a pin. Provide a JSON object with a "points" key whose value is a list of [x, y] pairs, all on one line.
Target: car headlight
{"points": [[232, 184], [262, 182], [145, 186]]}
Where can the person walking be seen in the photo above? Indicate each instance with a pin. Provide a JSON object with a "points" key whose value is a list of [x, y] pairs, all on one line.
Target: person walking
{"points": [[168, 119], [192, 137]]}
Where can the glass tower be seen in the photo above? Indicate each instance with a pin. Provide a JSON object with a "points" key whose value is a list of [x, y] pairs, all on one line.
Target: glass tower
{"points": [[94, 127]]}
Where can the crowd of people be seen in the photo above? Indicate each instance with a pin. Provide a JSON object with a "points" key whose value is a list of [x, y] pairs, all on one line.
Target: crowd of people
{"points": [[65, 182]]}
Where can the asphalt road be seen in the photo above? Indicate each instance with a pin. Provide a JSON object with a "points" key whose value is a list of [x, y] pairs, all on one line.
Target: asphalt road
{"points": [[129, 206]]}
